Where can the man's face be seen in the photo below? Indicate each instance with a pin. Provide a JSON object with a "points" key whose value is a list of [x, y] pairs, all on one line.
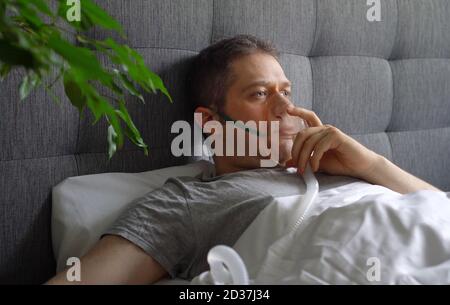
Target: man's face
{"points": [[260, 91]]}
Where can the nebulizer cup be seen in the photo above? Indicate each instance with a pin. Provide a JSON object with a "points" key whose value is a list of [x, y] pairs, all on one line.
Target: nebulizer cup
{"points": [[289, 127]]}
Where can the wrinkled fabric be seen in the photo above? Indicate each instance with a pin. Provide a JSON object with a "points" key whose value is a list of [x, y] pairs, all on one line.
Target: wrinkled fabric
{"points": [[354, 234]]}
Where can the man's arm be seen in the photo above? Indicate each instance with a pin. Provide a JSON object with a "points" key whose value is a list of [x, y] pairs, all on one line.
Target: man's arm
{"points": [[332, 151], [387, 174], [115, 260]]}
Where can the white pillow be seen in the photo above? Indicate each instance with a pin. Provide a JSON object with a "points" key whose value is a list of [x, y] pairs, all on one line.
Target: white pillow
{"points": [[86, 206]]}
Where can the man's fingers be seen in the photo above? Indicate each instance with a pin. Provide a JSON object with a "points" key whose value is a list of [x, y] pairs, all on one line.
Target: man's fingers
{"points": [[301, 137], [307, 149], [290, 163], [309, 116], [319, 150]]}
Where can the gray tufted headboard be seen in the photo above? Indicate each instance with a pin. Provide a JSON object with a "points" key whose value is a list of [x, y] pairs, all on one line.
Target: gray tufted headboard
{"points": [[387, 83]]}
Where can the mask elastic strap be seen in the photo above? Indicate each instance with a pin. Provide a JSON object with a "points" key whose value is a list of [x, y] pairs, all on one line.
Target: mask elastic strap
{"points": [[239, 124]]}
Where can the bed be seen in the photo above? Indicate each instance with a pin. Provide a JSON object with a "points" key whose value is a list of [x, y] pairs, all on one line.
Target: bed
{"points": [[387, 83]]}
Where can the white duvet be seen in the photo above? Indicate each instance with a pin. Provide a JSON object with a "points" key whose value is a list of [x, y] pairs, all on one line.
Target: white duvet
{"points": [[353, 234]]}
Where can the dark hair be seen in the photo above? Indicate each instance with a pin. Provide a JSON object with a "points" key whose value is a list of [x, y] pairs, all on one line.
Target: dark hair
{"points": [[208, 77]]}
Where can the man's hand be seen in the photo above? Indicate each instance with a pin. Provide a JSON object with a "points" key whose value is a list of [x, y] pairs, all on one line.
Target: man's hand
{"points": [[333, 151], [336, 153]]}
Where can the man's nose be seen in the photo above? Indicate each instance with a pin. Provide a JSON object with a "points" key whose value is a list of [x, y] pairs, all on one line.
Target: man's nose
{"points": [[280, 105]]}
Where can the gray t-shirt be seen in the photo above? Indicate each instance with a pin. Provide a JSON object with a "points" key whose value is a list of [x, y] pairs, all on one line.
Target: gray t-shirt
{"points": [[180, 222]]}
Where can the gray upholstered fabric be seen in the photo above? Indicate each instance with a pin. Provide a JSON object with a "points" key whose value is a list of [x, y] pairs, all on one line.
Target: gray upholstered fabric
{"points": [[423, 29], [342, 29], [290, 24], [387, 83], [421, 91], [353, 92]]}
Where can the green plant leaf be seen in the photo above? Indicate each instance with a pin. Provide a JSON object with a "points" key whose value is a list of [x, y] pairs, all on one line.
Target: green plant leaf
{"points": [[26, 41], [95, 102], [15, 56], [85, 24], [99, 16], [131, 131], [158, 83], [136, 141], [52, 95], [86, 64], [133, 63], [40, 5], [113, 119], [129, 85], [91, 14], [29, 82], [2, 10], [4, 70], [29, 15], [74, 92], [112, 138]]}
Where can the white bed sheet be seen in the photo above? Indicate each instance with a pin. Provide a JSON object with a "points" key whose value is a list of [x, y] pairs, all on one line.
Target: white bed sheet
{"points": [[355, 234]]}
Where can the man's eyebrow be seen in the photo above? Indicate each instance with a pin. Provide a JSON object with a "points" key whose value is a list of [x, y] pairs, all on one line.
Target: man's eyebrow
{"points": [[264, 83]]}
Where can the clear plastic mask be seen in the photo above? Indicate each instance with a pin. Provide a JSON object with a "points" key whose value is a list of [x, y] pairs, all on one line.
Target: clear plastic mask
{"points": [[288, 128]]}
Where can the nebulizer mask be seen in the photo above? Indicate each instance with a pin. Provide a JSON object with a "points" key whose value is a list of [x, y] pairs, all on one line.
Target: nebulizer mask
{"points": [[226, 265]]}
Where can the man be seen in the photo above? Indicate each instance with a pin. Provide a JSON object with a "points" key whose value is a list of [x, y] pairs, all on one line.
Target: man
{"points": [[169, 231]]}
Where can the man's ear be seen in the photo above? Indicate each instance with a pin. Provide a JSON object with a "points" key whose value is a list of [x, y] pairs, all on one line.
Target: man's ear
{"points": [[206, 115]]}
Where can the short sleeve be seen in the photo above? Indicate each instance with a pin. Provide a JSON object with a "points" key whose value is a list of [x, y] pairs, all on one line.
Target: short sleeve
{"points": [[160, 223]]}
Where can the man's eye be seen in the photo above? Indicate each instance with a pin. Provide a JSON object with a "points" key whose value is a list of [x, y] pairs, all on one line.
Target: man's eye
{"points": [[286, 93], [259, 94]]}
